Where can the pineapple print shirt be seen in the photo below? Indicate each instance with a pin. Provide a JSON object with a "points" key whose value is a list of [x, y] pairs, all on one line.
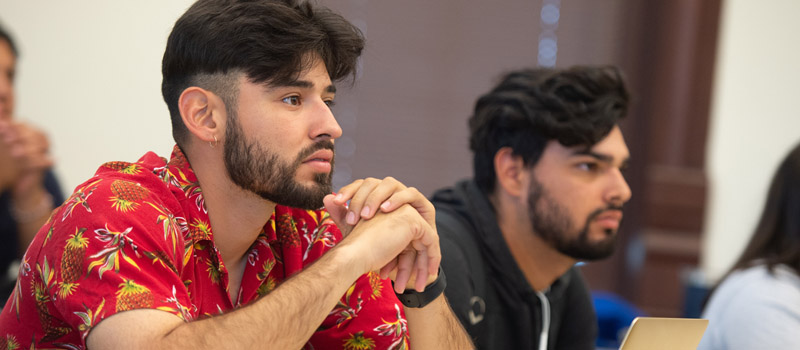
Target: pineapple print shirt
{"points": [[137, 235]]}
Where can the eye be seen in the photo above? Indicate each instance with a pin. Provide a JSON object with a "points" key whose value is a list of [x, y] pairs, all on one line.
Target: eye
{"points": [[588, 166], [330, 103], [292, 100]]}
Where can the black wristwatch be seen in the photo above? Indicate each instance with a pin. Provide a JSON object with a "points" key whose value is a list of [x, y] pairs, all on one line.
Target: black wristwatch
{"points": [[412, 298]]}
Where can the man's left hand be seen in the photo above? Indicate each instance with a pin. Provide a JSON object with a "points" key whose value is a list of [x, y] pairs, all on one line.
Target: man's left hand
{"points": [[369, 195]]}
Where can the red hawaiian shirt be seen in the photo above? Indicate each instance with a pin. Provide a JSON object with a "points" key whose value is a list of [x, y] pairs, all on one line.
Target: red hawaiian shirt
{"points": [[137, 235]]}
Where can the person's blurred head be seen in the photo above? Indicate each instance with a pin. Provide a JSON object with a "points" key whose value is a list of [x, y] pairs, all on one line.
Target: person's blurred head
{"points": [[576, 107], [777, 237], [549, 137], [8, 67]]}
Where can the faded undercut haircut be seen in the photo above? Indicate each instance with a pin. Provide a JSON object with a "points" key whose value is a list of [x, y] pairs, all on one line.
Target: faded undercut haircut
{"points": [[268, 41], [577, 106]]}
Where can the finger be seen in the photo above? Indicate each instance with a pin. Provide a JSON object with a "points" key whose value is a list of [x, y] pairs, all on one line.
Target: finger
{"points": [[427, 241], [416, 199], [383, 191], [37, 163], [29, 148], [337, 213], [43, 162], [10, 135], [36, 140], [358, 199], [345, 193], [405, 265], [386, 270], [421, 269]]}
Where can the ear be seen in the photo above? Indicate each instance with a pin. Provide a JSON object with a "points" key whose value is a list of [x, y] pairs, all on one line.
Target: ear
{"points": [[512, 175], [203, 113]]}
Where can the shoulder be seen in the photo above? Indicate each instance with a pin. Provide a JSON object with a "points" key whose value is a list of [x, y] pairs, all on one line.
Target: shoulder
{"points": [[755, 307], [759, 285]]}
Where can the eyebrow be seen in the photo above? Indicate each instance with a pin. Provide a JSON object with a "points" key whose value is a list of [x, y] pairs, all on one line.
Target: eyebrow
{"points": [[307, 85], [601, 157]]}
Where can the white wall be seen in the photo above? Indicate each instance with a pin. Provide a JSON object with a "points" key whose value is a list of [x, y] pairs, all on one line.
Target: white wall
{"points": [[754, 121], [90, 75]]}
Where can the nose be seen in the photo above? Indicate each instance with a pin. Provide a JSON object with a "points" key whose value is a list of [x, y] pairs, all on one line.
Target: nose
{"points": [[325, 125], [618, 192]]}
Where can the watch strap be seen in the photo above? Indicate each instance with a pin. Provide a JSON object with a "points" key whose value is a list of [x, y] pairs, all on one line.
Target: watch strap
{"points": [[412, 298]]}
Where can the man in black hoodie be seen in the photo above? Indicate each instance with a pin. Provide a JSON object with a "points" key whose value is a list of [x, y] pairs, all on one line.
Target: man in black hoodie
{"points": [[547, 192]]}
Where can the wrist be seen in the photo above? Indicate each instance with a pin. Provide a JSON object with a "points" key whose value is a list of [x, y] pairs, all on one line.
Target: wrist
{"points": [[410, 298], [31, 208], [27, 196], [346, 259]]}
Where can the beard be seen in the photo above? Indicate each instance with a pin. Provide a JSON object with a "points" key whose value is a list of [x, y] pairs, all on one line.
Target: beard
{"points": [[552, 222], [261, 171]]}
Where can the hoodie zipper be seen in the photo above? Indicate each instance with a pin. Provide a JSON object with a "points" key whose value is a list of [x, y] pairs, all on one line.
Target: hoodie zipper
{"points": [[545, 320]]}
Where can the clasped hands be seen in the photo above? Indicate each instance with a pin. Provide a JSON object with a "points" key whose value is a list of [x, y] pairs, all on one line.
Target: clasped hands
{"points": [[24, 156], [394, 228]]}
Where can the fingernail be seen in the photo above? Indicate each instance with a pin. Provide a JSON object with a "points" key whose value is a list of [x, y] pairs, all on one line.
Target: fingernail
{"points": [[365, 212], [338, 197], [351, 218], [385, 205]]}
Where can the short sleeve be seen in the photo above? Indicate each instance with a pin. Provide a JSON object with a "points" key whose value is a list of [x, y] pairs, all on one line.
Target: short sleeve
{"points": [[115, 245]]}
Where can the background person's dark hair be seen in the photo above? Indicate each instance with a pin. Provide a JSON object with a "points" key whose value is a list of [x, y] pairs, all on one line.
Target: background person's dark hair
{"points": [[576, 106], [777, 237], [6, 36], [270, 41]]}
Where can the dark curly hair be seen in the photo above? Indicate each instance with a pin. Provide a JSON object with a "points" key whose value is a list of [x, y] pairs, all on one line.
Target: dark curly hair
{"points": [[6, 36], [575, 106], [270, 41]]}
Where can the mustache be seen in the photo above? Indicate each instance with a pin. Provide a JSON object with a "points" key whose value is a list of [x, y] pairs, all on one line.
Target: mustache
{"points": [[326, 144], [600, 211]]}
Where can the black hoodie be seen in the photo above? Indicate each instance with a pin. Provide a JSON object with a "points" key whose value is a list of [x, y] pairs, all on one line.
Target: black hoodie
{"points": [[488, 291]]}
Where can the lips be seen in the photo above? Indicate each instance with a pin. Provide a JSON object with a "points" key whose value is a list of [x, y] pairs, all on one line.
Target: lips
{"points": [[323, 155], [609, 219], [610, 215]]}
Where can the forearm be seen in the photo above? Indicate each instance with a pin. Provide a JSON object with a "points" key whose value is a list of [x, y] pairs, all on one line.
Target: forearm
{"points": [[31, 211], [435, 326], [284, 319]]}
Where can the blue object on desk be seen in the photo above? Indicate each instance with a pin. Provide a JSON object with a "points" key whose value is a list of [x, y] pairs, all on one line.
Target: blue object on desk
{"points": [[614, 315]]}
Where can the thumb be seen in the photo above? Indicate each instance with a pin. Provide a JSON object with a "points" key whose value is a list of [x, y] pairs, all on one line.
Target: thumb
{"points": [[338, 212]]}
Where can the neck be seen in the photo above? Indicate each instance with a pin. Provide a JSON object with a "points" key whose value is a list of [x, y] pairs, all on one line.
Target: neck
{"points": [[540, 263], [236, 216]]}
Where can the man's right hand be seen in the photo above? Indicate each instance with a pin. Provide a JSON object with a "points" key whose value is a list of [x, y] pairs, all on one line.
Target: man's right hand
{"points": [[401, 242]]}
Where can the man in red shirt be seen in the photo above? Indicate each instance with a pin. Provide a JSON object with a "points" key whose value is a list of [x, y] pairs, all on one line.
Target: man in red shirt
{"points": [[223, 244]]}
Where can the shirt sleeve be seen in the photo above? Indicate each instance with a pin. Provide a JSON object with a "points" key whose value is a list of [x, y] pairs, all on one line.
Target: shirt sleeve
{"points": [[115, 245]]}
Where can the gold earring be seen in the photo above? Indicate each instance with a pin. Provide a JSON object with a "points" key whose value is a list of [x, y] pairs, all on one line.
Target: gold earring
{"points": [[215, 143]]}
